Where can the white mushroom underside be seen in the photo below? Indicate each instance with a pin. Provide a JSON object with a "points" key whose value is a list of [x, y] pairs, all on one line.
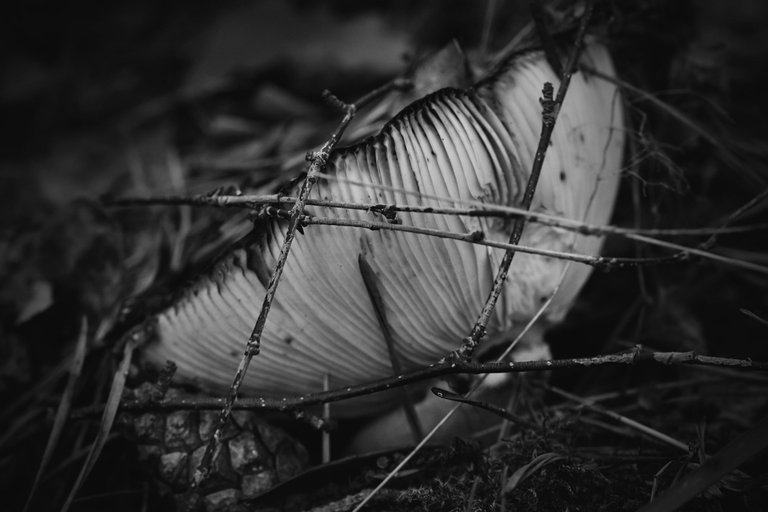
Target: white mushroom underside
{"points": [[476, 145]]}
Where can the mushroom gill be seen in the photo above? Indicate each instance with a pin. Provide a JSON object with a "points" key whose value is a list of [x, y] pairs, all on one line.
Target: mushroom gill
{"points": [[449, 147]]}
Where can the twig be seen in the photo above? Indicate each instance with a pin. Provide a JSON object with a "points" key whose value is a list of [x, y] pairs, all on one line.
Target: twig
{"points": [[747, 265], [633, 357], [550, 109], [499, 411], [625, 393], [753, 316], [318, 161], [371, 286], [479, 209], [659, 436], [762, 196], [656, 476], [476, 237], [487, 210]]}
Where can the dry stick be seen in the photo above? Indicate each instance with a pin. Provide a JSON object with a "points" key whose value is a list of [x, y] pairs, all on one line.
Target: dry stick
{"points": [[479, 209], [476, 237], [318, 161], [625, 393], [747, 265], [664, 438], [753, 316], [550, 110], [499, 411], [371, 286], [759, 198], [629, 358], [487, 210]]}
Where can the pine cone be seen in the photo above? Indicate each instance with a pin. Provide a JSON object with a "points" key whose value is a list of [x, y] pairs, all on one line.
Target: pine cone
{"points": [[252, 457]]}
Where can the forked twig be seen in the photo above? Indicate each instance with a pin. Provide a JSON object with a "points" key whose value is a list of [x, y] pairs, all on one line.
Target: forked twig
{"points": [[318, 161]]}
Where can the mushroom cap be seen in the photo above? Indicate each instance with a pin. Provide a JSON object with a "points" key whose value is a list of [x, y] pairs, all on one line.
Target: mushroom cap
{"points": [[451, 146]]}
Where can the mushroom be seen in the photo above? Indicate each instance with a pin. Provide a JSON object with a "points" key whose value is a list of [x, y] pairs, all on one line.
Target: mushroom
{"points": [[444, 150]]}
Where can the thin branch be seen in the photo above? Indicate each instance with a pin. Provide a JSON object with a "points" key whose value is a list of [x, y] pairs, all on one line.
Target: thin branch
{"points": [[550, 110], [637, 355], [488, 210], [377, 301], [318, 161], [753, 316], [483, 210], [747, 265], [645, 429], [477, 237], [759, 198], [499, 411]]}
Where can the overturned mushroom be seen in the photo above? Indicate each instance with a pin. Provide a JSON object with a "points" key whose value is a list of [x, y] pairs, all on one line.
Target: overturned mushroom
{"points": [[447, 149]]}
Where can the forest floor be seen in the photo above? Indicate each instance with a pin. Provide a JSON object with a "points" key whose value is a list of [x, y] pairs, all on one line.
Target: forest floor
{"points": [[103, 100]]}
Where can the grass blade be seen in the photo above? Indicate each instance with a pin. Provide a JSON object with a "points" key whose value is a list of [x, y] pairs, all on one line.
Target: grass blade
{"points": [[726, 460], [107, 419], [64, 406]]}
